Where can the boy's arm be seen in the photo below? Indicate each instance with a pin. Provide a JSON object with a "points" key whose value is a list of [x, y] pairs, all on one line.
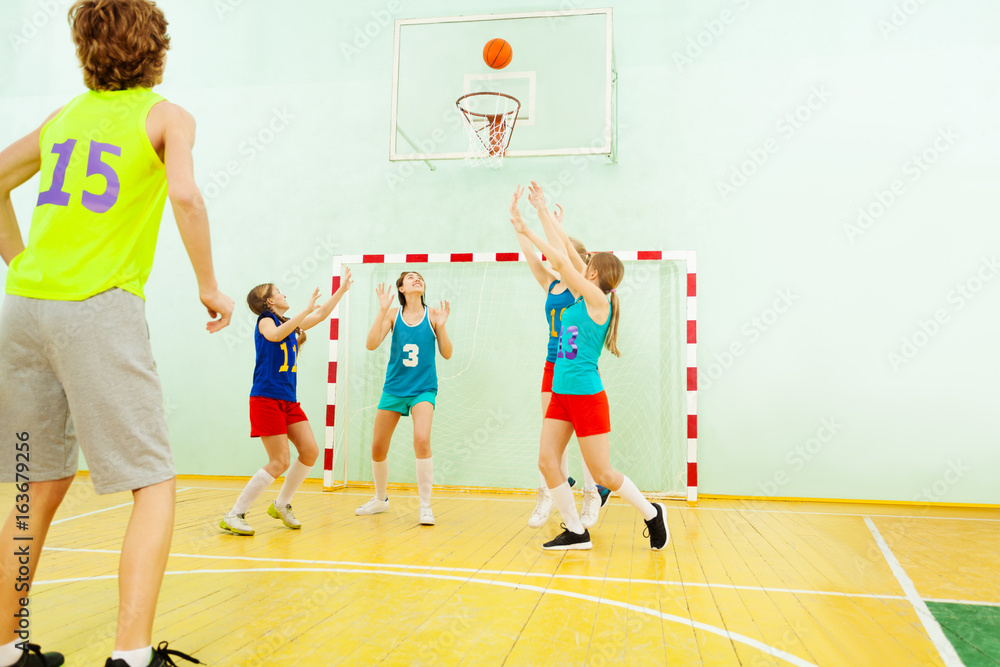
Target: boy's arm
{"points": [[18, 162], [178, 131]]}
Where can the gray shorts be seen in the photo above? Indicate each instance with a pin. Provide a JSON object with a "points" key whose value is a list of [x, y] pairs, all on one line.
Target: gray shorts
{"points": [[81, 373]]}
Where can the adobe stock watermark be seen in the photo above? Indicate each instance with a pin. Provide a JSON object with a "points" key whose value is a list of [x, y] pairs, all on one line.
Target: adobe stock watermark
{"points": [[958, 298], [913, 170], [250, 148], [382, 20], [752, 330], [799, 455], [785, 129], [713, 29], [901, 14], [36, 21]]}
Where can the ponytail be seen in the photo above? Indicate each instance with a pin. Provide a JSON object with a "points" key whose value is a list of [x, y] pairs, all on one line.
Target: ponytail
{"points": [[611, 341], [610, 272]]}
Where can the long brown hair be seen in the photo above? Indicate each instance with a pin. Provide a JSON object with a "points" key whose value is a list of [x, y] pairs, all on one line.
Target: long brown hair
{"points": [[121, 44], [610, 272], [257, 302], [580, 249], [399, 283]]}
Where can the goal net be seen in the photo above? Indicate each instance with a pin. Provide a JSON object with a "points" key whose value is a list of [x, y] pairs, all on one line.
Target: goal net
{"points": [[488, 419]]}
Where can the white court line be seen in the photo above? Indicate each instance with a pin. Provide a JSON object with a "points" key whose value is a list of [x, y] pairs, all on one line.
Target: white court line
{"points": [[934, 631], [514, 573], [106, 509], [726, 634], [469, 495]]}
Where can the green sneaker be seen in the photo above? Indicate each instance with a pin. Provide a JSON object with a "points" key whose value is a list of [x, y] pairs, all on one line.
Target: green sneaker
{"points": [[286, 516], [236, 523]]}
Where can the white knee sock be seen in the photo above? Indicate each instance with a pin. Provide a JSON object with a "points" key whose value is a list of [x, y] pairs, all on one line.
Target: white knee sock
{"points": [[634, 497], [588, 479], [425, 480], [380, 475], [256, 486], [140, 657], [296, 474], [10, 653], [567, 508]]}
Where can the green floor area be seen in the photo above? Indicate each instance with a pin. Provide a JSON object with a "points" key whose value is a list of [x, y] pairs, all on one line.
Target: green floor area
{"points": [[974, 631]]}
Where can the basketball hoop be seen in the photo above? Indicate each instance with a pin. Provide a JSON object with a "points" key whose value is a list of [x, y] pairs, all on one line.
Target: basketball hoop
{"points": [[489, 121]]}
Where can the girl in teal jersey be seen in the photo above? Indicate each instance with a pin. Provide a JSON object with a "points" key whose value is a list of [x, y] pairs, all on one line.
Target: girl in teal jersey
{"points": [[410, 384], [578, 400]]}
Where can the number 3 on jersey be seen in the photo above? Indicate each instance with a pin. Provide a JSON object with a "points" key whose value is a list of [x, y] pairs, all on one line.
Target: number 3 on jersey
{"points": [[568, 351], [413, 351]]}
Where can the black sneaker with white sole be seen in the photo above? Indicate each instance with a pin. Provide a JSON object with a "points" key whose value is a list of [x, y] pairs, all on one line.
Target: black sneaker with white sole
{"points": [[656, 528], [161, 658], [33, 657], [567, 540]]}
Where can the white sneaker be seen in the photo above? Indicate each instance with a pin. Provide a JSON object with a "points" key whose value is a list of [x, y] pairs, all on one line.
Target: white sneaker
{"points": [[285, 514], [591, 507], [236, 523], [426, 515], [373, 506], [542, 509]]}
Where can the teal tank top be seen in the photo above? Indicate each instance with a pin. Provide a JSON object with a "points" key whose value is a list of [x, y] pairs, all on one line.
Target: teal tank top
{"points": [[412, 369], [580, 345]]}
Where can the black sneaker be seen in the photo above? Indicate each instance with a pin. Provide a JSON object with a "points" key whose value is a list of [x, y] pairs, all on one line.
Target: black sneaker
{"points": [[605, 493], [161, 658], [567, 540], [32, 656], [656, 528]]}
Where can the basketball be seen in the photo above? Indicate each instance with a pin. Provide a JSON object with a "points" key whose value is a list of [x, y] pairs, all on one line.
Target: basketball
{"points": [[497, 53]]}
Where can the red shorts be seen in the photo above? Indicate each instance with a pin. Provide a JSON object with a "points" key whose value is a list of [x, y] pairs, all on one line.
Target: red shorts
{"points": [[271, 416], [550, 369], [588, 414]]}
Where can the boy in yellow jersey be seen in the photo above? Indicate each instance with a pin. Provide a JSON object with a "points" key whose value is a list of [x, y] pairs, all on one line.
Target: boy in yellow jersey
{"points": [[76, 367]]}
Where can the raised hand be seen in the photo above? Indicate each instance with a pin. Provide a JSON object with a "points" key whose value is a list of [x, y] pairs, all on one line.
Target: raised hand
{"points": [[559, 214], [312, 300], [442, 314], [385, 296], [536, 197], [345, 282]]}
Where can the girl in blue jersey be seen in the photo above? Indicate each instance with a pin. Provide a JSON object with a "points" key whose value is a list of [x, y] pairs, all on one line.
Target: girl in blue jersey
{"points": [[558, 297], [410, 384], [275, 415], [579, 403]]}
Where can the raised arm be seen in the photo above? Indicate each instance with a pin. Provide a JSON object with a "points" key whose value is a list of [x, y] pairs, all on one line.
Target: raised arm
{"points": [[276, 333], [383, 319], [18, 162], [597, 302], [553, 227], [176, 127], [323, 312], [538, 269], [438, 317]]}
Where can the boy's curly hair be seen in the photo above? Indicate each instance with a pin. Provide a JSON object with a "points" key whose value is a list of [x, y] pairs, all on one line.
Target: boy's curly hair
{"points": [[121, 44]]}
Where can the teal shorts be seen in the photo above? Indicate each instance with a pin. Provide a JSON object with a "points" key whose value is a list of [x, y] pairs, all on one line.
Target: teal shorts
{"points": [[402, 405]]}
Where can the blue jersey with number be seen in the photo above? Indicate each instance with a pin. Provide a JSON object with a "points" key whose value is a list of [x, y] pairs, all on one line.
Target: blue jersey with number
{"points": [[555, 304], [412, 369], [580, 346], [274, 375]]}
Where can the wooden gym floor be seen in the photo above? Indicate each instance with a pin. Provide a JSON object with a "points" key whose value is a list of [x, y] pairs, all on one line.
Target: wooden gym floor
{"points": [[740, 583]]}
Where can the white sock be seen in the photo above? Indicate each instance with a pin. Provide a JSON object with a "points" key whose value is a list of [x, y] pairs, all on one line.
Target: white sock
{"points": [[10, 653], [588, 479], [251, 492], [425, 480], [380, 474], [293, 480], [567, 508], [141, 657], [634, 497]]}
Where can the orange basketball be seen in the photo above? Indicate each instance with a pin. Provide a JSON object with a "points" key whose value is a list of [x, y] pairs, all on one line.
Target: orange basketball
{"points": [[497, 53]]}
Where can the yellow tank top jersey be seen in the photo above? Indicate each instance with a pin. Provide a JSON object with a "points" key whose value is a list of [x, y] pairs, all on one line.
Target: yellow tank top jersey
{"points": [[100, 201]]}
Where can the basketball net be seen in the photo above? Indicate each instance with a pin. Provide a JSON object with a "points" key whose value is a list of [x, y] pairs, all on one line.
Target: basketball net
{"points": [[489, 121]]}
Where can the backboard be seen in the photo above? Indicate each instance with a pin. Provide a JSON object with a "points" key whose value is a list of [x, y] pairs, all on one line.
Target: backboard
{"points": [[562, 72]]}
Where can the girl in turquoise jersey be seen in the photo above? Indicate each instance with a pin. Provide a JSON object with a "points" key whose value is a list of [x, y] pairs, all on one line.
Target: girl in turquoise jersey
{"points": [[410, 384], [578, 400]]}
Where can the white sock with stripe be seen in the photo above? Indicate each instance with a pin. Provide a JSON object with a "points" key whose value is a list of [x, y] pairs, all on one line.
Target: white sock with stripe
{"points": [[563, 498], [296, 474], [425, 480], [631, 494], [380, 475], [251, 492]]}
